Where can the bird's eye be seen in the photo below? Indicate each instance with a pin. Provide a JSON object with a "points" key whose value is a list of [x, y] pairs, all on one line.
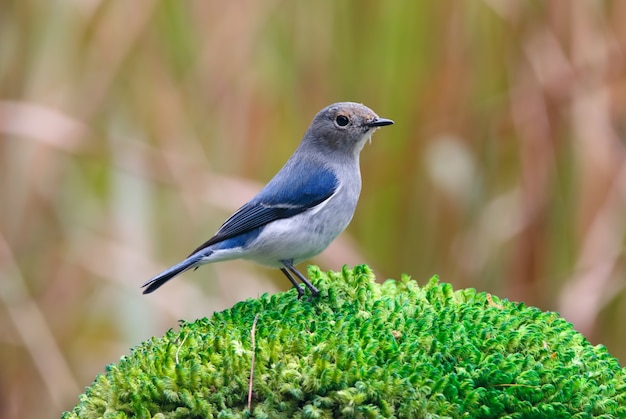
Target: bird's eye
{"points": [[342, 120]]}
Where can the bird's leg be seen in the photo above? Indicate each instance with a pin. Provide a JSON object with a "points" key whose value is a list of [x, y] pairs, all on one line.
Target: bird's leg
{"points": [[293, 281], [289, 265]]}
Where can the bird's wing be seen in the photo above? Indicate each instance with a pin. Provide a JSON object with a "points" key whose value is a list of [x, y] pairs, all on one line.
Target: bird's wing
{"points": [[281, 198]]}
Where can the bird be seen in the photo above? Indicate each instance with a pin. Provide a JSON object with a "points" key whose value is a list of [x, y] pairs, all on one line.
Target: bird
{"points": [[303, 208]]}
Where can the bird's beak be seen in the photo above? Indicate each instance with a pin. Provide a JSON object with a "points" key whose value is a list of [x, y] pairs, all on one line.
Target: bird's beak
{"points": [[379, 122]]}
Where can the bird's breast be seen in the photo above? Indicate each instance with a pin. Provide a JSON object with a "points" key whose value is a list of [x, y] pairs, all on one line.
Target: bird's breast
{"points": [[307, 234]]}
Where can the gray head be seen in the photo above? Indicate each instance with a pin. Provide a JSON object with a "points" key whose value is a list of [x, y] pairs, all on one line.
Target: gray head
{"points": [[344, 126]]}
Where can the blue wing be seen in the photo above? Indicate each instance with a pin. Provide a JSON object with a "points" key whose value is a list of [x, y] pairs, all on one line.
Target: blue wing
{"points": [[281, 198]]}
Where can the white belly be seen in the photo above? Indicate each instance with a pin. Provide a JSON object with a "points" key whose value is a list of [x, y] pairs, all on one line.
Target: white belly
{"points": [[303, 236]]}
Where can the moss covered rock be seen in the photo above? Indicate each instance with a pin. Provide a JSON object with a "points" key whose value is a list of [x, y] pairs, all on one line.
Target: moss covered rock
{"points": [[364, 349]]}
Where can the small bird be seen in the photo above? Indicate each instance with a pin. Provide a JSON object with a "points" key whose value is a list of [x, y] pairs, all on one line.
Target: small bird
{"points": [[307, 204]]}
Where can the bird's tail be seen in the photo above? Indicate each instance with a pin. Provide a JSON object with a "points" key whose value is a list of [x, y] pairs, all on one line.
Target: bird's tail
{"points": [[163, 277]]}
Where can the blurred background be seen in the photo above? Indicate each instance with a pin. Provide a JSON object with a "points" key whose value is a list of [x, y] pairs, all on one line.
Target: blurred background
{"points": [[128, 133]]}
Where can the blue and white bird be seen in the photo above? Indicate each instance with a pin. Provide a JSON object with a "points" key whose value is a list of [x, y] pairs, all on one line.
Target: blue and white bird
{"points": [[307, 204]]}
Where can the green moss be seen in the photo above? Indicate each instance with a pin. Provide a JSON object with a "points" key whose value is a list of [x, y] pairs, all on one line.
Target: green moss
{"points": [[365, 350]]}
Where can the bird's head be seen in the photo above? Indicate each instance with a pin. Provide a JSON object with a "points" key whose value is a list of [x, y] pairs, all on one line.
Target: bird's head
{"points": [[344, 126]]}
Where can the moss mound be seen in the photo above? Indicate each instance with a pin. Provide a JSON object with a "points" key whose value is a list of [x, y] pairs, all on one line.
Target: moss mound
{"points": [[365, 350]]}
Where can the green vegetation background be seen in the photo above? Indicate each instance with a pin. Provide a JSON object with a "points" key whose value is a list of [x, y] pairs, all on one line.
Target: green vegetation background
{"points": [[129, 133], [365, 350]]}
